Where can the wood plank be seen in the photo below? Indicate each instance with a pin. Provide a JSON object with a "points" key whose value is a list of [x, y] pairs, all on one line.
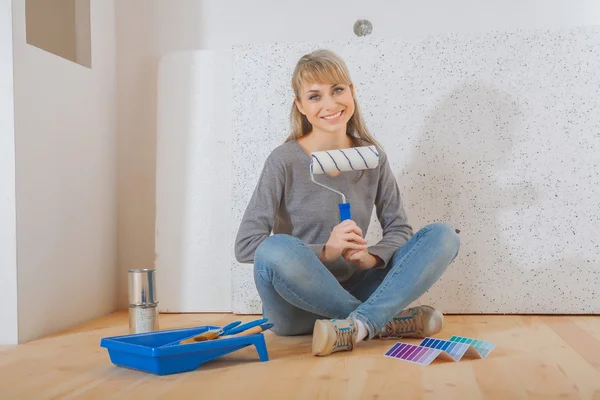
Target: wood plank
{"points": [[562, 371], [535, 357], [590, 324], [587, 345]]}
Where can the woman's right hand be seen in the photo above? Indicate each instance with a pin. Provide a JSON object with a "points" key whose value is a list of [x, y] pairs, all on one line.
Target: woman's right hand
{"points": [[346, 235]]}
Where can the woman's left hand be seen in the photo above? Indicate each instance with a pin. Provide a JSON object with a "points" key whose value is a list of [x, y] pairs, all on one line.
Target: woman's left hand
{"points": [[361, 258]]}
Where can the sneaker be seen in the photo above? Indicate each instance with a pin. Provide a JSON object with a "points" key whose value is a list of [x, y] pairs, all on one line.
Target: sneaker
{"points": [[416, 322], [334, 335]]}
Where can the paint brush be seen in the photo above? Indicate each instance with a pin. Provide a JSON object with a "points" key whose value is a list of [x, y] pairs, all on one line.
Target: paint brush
{"points": [[247, 325], [251, 331], [212, 334]]}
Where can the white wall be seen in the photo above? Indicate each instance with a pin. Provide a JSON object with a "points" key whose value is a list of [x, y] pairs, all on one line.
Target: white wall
{"points": [[191, 222], [493, 133], [8, 239], [66, 180], [150, 29], [146, 30]]}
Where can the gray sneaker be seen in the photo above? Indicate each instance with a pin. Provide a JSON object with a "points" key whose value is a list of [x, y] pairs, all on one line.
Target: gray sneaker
{"points": [[416, 322], [330, 336]]}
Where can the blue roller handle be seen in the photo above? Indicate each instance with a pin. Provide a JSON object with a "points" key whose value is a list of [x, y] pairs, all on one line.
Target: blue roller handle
{"points": [[344, 211]]}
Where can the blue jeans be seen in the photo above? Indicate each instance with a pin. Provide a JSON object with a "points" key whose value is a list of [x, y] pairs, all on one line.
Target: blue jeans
{"points": [[296, 288]]}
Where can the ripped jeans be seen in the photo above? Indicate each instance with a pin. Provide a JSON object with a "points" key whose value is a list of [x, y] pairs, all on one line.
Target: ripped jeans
{"points": [[296, 288]]}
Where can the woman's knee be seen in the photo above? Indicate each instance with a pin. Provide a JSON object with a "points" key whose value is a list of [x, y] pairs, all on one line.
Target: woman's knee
{"points": [[274, 248], [278, 256], [446, 236]]}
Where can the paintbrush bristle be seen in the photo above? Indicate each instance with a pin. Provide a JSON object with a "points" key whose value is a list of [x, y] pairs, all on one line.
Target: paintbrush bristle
{"points": [[210, 335]]}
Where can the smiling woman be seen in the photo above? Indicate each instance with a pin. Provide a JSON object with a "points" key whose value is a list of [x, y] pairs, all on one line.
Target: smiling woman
{"points": [[323, 88], [320, 101], [316, 273]]}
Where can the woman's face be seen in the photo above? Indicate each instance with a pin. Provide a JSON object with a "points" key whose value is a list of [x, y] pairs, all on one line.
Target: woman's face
{"points": [[328, 107]]}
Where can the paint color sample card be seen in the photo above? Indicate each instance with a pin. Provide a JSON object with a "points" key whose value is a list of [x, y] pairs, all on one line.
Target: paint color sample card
{"points": [[453, 349], [415, 354], [480, 348]]}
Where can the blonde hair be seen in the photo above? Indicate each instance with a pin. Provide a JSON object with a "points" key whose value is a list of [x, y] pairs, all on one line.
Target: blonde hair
{"points": [[324, 66]]}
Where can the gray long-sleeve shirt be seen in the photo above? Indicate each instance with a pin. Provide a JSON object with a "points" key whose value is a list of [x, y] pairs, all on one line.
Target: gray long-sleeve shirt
{"points": [[285, 200]]}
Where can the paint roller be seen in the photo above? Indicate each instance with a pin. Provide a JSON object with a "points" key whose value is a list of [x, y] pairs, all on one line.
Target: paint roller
{"points": [[341, 160]]}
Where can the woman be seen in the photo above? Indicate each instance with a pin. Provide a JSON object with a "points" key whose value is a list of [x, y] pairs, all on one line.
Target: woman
{"points": [[315, 273]]}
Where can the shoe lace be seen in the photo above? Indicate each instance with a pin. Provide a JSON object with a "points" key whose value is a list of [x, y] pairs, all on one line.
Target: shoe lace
{"points": [[402, 325], [343, 337]]}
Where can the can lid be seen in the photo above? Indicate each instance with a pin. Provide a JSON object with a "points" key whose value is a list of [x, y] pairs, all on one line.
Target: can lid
{"points": [[144, 305], [142, 270]]}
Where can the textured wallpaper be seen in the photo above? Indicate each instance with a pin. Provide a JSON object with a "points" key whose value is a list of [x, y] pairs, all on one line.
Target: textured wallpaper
{"points": [[497, 134]]}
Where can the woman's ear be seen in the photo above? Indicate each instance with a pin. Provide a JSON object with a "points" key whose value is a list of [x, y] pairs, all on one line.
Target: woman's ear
{"points": [[299, 106], [352, 89]]}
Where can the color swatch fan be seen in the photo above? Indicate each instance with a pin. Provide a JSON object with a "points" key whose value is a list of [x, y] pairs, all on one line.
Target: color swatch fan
{"points": [[451, 350], [412, 353], [477, 348]]}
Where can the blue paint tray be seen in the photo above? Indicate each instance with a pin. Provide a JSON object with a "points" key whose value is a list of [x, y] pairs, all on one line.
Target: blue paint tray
{"points": [[155, 352]]}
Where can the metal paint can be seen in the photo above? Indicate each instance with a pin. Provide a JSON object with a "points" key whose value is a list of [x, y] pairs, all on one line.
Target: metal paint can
{"points": [[143, 319], [142, 286], [143, 304]]}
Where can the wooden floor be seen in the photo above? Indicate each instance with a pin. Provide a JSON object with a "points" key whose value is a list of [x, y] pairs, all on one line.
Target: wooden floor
{"points": [[535, 357]]}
